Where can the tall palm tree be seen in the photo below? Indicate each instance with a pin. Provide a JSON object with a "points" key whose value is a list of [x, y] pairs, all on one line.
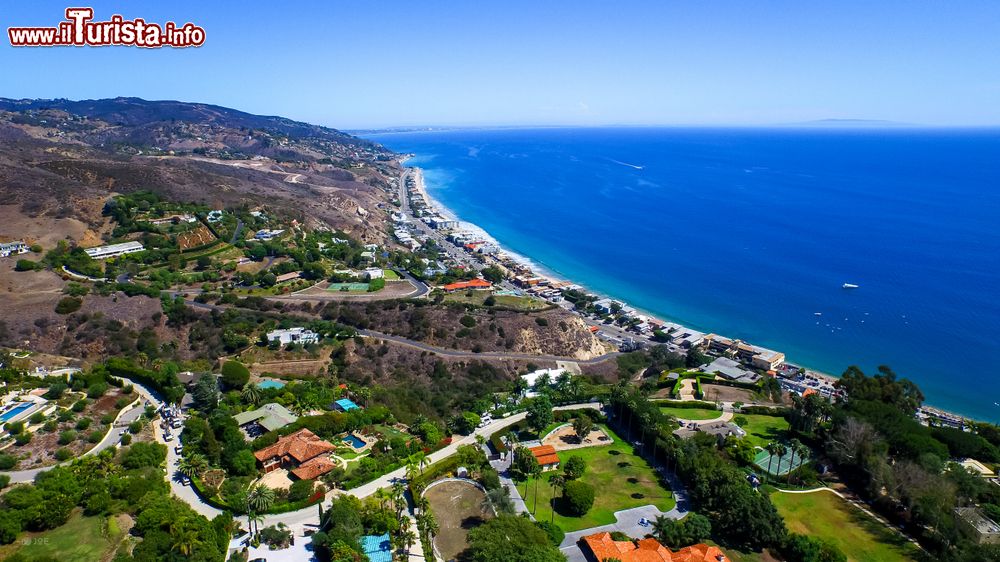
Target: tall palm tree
{"points": [[557, 481], [193, 465], [645, 420], [431, 526], [260, 498], [781, 450], [800, 451], [250, 393], [254, 519], [184, 540], [406, 539], [772, 449], [535, 474]]}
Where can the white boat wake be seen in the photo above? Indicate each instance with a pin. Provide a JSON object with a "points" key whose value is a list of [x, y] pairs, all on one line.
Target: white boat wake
{"points": [[626, 164]]}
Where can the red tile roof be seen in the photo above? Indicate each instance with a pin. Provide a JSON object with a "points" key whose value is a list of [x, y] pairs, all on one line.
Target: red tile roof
{"points": [[603, 547], [314, 468], [474, 284], [303, 445], [545, 454]]}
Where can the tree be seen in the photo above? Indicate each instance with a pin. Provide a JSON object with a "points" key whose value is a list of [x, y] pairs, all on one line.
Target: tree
{"points": [[582, 426], [300, 490], [539, 414], [499, 500], [205, 393], [524, 466], [511, 539], [574, 467], [781, 450], [250, 394], [578, 497], [235, 374], [772, 449], [556, 482], [193, 465]]}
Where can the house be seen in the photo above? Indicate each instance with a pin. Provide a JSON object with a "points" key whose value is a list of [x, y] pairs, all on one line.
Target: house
{"points": [[720, 430], [531, 380], [295, 451], [373, 273], [475, 284], [268, 417], [214, 216], [767, 359], [266, 234], [974, 466], [546, 457], [293, 335], [12, 248], [345, 405], [607, 306], [731, 370], [288, 276], [602, 547], [114, 250], [977, 526]]}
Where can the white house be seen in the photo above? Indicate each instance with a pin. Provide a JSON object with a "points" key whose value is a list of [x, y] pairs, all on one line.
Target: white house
{"points": [[374, 273], [214, 216], [12, 248], [114, 250], [293, 335], [267, 234], [531, 380]]}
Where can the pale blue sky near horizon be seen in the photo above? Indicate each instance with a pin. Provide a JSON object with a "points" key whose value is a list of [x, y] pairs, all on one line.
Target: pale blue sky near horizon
{"points": [[385, 64]]}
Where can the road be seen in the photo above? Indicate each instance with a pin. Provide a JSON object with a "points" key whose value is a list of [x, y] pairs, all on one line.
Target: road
{"points": [[236, 233]]}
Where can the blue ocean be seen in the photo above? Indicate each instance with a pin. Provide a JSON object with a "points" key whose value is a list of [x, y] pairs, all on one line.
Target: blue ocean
{"points": [[751, 233]]}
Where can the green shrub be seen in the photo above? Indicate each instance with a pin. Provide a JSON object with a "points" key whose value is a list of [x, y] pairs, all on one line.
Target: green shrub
{"points": [[15, 428], [467, 321], [63, 454], [4, 481], [126, 439], [542, 321], [95, 436], [23, 439], [83, 424], [578, 497], [67, 437], [556, 535], [7, 462], [37, 418], [67, 305], [300, 490], [25, 265], [235, 374]]}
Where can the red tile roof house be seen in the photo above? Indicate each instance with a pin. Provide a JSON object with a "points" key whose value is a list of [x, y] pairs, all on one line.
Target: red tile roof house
{"points": [[461, 285], [602, 547], [546, 457], [306, 454]]}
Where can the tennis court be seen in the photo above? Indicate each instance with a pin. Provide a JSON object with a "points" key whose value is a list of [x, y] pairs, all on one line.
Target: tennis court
{"points": [[779, 467], [349, 287]]}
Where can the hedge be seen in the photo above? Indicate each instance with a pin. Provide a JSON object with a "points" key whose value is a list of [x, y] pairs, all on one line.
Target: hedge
{"points": [[698, 392], [277, 508], [766, 410], [687, 404], [431, 473], [746, 385]]}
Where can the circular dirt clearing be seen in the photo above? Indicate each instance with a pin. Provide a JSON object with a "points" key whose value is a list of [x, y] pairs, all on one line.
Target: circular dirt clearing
{"points": [[458, 507]]}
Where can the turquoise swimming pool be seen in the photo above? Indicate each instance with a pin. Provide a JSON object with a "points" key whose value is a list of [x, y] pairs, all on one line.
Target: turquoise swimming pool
{"points": [[354, 441], [269, 383], [17, 409]]}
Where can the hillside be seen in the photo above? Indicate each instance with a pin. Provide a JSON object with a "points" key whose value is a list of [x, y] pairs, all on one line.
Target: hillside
{"points": [[60, 160]]}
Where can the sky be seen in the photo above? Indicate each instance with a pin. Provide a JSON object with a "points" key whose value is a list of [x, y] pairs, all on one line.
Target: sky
{"points": [[355, 65]]}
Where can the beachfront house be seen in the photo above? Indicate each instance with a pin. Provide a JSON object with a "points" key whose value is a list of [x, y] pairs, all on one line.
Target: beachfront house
{"points": [[114, 250], [475, 284], [731, 370], [293, 335], [8, 249]]}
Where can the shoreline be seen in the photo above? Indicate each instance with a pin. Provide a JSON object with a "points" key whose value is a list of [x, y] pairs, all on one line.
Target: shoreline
{"points": [[542, 271]]}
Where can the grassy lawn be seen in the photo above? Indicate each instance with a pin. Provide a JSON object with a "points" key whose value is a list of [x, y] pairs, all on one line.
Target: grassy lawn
{"points": [[621, 481], [390, 275], [764, 429], [81, 539], [506, 301], [691, 413], [825, 515]]}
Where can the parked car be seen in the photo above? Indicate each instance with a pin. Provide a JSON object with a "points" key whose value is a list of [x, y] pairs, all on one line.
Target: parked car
{"points": [[177, 449]]}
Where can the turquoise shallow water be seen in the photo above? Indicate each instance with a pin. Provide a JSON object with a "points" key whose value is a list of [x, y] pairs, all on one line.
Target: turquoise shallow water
{"points": [[751, 232]]}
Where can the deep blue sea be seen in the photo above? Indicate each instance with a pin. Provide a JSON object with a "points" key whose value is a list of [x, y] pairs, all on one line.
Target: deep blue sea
{"points": [[750, 232]]}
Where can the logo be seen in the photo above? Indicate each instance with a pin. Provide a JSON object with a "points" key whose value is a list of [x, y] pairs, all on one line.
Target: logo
{"points": [[79, 30]]}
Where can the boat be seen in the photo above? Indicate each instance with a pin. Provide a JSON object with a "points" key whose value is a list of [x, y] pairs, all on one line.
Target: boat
{"points": [[817, 314], [850, 286]]}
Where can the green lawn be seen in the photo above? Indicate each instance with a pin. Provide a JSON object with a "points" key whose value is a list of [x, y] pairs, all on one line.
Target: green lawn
{"points": [[824, 515], [81, 539], [390, 275], [764, 429], [621, 481], [507, 301], [691, 413]]}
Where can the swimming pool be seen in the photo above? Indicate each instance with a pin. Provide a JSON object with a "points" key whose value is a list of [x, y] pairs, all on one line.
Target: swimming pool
{"points": [[17, 409], [354, 441], [269, 383]]}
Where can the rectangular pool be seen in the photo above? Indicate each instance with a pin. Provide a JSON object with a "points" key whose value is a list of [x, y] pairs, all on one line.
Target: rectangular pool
{"points": [[17, 409]]}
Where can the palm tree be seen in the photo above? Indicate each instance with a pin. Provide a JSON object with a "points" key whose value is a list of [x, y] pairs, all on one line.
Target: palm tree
{"points": [[430, 525], [781, 451], [193, 465], [184, 539], [420, 458], [406, 539], [260, 498], [645, 420], [535, 474], [664, 529], [557, 481], [771, 448], [254, 519], [250, 393], [800, 451]]}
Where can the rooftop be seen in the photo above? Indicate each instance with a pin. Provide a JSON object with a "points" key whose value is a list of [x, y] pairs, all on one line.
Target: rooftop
{"points": [[303, 445], [545, 454], [269, 416], [603, 547]]}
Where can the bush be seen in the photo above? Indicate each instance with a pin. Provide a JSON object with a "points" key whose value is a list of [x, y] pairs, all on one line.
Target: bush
{"points": [[95, 436], [542, 321], [80, 405], [15, 428], [67, 437], [490, 479], [126, 439], [467, 321], [68, 305], [37, 418], [300, 490], [556, 535], [235, 374], [578, 497], [7, 462], [83, 424], [23, 439], [25, 265], [4, 481], [63, 454]]}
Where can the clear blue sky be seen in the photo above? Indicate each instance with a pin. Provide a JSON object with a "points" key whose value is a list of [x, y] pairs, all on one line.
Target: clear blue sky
{"points": [[388, 63]]}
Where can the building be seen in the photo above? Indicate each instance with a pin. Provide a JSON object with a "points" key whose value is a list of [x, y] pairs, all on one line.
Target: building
{"points": [[531, 380], [974, 466], [374, 273], [767, 359], [269, 417], [546, 457], [292, 275], [977, 526], [721, 430], [293, 335], [214, 216], [731, 370], [345, 405], [295, 452], [475, 284], [266, 234], [601, 546], [12, 248], [607, 306], [114, 250]]}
